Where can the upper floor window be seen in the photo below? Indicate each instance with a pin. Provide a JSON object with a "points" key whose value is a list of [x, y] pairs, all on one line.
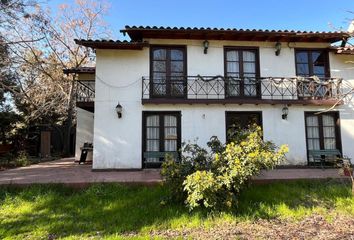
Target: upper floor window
{"points": [[168, 71], [241, 71], [312, 63]]}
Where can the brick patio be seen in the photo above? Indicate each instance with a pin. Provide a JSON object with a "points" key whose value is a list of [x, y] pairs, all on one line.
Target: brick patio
{"points": [[67, 172]]}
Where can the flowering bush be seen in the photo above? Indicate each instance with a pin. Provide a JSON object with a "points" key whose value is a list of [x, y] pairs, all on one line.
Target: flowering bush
{"points": [[213, 180]]}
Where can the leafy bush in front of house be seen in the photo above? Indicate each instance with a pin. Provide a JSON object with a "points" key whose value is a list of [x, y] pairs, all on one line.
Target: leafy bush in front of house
{"points": [[19, 159], [213, 179], [22, 159]]}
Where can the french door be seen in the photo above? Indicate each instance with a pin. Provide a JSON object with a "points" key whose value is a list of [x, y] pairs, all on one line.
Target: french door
{"points": [[236, 121], [161, 134], [322, 131], [242, 72], [168, 71]]}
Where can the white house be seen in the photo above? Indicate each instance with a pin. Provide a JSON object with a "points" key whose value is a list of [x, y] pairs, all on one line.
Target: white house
{"points": [[187, 84]]}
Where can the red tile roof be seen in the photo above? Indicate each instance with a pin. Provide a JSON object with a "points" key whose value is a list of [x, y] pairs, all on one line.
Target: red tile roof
{"points": [[111, 44], [138, 34], [343, 50], [141, 32], [80, 70]]}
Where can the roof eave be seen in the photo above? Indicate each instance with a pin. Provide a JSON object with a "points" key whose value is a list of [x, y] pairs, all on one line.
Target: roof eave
{"points": [[138, 34], [88, 70], [97, 44]]}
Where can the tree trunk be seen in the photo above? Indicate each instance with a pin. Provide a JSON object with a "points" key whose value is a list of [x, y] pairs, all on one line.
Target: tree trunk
{"points": [[69, 120]]}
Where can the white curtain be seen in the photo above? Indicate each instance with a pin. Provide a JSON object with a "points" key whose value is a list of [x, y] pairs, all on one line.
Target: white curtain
{"points": [[170, 123], [249, 56], [232, 56], [313, 137], [329, 133], [249, 72], [233, 70], [152, 135]]}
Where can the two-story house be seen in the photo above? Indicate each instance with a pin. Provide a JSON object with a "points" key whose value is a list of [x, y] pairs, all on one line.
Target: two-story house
{"points": [[173, 85]]}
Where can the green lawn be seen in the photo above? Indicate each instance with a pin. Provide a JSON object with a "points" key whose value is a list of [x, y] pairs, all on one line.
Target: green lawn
{"points": [[113, 211]]}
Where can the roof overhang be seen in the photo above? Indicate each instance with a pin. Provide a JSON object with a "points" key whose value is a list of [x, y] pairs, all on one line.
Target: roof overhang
{"points": [[141, 33], [111, 44], [342, 50], [88, 70]]}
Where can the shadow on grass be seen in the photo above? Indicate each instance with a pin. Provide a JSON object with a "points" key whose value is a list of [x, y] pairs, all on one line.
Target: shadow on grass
{"points": [[114, 209]]}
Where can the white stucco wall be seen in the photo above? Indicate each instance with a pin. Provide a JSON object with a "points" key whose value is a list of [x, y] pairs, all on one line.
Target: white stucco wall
{"points": [[84, 131], [343, 66], [118, 142]]}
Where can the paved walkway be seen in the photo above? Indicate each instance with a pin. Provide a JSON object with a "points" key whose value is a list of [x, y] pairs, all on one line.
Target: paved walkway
{"points": [[67, 172]]}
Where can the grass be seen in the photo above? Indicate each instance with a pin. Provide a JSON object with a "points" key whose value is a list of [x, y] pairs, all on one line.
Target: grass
{"points": [[111, 211]]}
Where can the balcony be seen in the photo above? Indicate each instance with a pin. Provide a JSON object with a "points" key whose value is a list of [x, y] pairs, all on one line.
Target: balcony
{"points": [[224, 90], [85, 94]]}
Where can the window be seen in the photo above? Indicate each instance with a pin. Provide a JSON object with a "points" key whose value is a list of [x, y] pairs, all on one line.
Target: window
{"points": [[241, 120], [312, 63], [241, 71], [168, 71], [322, 131], [161, 133]]}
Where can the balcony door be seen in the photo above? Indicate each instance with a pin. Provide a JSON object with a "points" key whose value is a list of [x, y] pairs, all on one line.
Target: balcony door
{"points": [[242, 71], [168, 71]]}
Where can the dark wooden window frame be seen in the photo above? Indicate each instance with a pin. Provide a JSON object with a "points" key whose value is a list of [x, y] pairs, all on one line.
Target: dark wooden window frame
{"points": [[168, 61], [310, 50], [161, 131], [259, 113], [320, 126], [243, 48]]}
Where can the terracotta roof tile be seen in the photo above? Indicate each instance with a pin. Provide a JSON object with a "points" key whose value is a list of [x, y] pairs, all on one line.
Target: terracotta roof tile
{"points": [[112, 44], [343, 50], [80, 70], [138, 33]]}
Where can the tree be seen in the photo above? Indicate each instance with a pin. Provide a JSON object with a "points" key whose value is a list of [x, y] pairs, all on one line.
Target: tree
{"points": [[42, 45]]}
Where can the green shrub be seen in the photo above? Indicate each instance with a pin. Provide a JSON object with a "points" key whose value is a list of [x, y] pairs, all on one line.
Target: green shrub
{"points": [[22, 159], [175, 172], [213, 179]]}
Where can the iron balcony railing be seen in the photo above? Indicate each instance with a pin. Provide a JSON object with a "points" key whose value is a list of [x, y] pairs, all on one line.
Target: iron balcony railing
{"points": [[219, 87], [85, 91]]}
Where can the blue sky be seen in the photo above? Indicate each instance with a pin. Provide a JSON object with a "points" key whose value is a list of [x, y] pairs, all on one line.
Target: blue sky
{"points": [[317, 15]]}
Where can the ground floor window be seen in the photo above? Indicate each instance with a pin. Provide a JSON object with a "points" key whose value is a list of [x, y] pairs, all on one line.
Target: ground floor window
{"points": [[322, 132], [161, 135], [241, 120]]}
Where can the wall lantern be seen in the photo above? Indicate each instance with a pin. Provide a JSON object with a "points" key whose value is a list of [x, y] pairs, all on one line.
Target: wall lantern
{"points": [[277, 48], [119, 110], [285, 112], [206, 46]]}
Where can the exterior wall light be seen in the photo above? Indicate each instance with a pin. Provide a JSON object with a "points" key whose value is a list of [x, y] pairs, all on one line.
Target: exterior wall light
{"points": [[277, 48], [285, 111], [119, 110], [206, 46]]}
